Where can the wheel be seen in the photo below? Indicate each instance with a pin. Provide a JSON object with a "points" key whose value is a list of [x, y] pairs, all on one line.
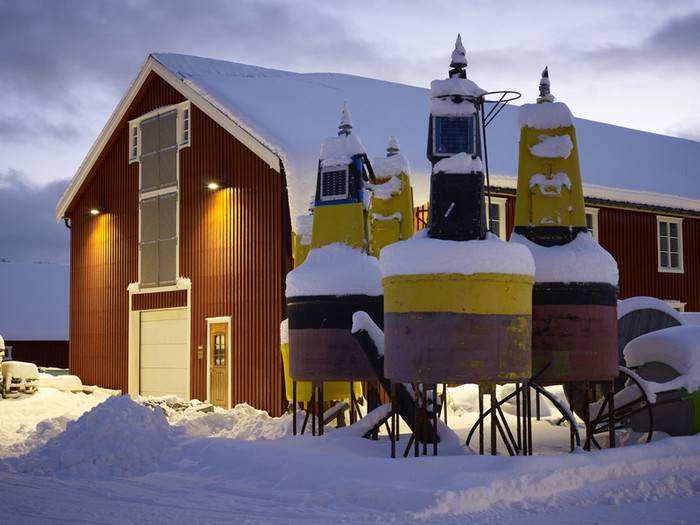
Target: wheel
{"points": [[632, 412]]}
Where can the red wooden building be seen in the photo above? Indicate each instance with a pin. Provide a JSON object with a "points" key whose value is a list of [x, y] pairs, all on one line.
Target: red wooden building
{"points": [[181, 218]]}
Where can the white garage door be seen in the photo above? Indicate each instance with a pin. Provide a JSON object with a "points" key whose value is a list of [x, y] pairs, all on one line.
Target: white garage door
{"points": [[164, 353]]}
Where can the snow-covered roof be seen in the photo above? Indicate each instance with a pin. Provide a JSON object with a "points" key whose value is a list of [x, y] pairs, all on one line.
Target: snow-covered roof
{"points": [[290, 113], [34, 301]]}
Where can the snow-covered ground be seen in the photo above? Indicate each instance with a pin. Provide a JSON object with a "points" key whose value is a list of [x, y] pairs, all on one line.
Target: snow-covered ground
{"points": [[123, 462]]}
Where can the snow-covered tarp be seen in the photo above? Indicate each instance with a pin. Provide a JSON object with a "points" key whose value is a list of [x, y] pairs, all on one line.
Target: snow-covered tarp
{"points": [[641, 302], [678, 347], [423, 255], [582, 260], [292, 112], [335, 269]]}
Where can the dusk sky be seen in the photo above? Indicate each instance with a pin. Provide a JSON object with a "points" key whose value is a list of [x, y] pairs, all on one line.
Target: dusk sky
{"points": [[65, 65]]}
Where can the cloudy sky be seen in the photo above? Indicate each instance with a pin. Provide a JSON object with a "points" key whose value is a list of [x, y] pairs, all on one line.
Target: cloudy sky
{"points": [[65, 64]]}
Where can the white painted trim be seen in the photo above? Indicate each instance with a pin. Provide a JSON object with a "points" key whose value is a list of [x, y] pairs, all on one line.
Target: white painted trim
{"points": [[501, 203], [594, 221], [679, 222], [229, 383], [134, 342], [676, 305], [216, 114]]}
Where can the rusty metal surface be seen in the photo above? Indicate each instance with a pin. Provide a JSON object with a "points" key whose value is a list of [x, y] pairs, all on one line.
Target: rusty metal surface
{"points": [[326, 354], [456, 348], [579, 340]]}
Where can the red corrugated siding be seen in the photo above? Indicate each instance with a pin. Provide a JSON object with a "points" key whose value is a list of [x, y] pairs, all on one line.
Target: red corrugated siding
{"points": [[233, 246], [630, 236], [41, 353], [158, 300]]}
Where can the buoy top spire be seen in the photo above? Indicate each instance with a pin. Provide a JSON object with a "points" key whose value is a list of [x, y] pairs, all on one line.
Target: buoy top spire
{"points": [[345, 121], [545, 94], [392, 147], [459, 59]]}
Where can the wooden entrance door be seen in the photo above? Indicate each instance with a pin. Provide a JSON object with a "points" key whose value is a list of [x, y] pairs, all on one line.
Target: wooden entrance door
{"points": [[218, 364]]}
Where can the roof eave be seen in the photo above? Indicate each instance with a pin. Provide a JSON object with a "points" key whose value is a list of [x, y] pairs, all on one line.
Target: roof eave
{"points": [[210, 109]]}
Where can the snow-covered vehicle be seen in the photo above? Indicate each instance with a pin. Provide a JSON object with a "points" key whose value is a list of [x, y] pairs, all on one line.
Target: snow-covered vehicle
{"points": [[19, 376]]}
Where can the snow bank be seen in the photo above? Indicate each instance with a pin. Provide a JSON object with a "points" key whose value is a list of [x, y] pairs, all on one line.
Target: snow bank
{"points": [[390, 166], [459, 163], [550, 185], [552, 147], [335, 269], [362, 321], [423, 255], [29, 421], [690, 317], [549, 115], [241, 422], [573, 476], [678, 347], [647, 303], [581, 261], [116, 438], [338, 151]]}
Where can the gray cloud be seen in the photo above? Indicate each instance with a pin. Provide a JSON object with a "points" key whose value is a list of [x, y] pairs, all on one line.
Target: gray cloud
{"points": [[28, 230], [676, 43], [32, 127]]}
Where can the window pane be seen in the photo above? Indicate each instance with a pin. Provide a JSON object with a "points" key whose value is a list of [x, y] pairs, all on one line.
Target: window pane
{"points": [[664, 244], [495, 212], [168, 130], [674, 245], [149, 264], [149, 171], [168, 167], [167, 225], [674, 261], [663, 228], [149, 220], [664, 259], [454, 135], [673, 229], [167, 250], [149, 136]]}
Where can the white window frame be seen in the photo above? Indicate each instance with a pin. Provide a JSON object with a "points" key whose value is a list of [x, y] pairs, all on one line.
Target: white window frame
{"points": [[669, 220], [134, 149], [501, 203], [675, 304], [184, 124], [594, 221], [181, 108], [162, 191]]}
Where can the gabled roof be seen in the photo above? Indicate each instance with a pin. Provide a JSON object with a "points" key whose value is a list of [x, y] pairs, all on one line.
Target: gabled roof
{"points": [[286, 115]]}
